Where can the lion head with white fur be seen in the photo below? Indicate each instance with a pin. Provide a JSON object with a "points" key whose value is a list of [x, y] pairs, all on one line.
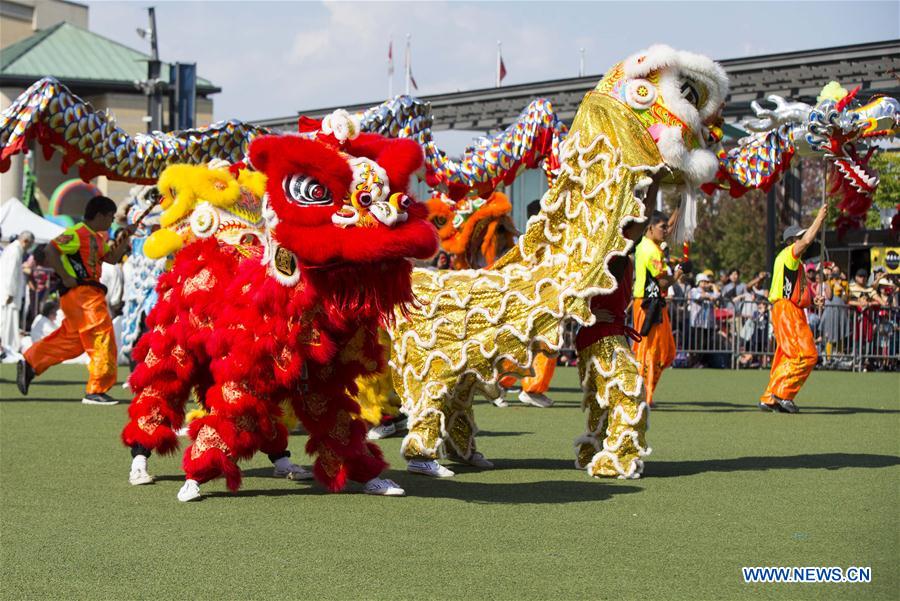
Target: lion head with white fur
{"points": [[679, 97]]}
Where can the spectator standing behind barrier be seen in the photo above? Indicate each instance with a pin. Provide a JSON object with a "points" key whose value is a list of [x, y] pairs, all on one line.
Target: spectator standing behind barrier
{"points": [[861, 295], [12, 291], [702, 309], [835, 324], [795, 355], [41, 283]]}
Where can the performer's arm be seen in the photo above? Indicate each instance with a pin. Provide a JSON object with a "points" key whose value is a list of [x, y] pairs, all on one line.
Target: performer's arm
{"points": [[670, 227], [118, 249], [809, 236], [54, 261]]}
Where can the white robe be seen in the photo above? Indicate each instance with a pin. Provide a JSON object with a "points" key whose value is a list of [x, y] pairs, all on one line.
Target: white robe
{"points": [[12, 284]]}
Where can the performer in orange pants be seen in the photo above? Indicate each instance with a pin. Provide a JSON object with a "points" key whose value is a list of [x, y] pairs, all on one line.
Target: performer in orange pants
{"points": [[656, 350], [651, 318], [795, 356], [77, 256], [86, 328], [534, 388]]}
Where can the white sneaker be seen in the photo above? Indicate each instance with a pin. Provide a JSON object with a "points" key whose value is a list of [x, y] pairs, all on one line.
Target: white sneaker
{"points": [[293, 472], [383, 487], [189, 492], [381, 431], [500, 401], [139, 476], [535, 400], [428, 468]]}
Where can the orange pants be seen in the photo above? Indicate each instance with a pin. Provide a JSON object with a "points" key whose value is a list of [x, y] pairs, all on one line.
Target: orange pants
{"points": [[539, 383], [87, 327], [655, 351], [795, 355]]}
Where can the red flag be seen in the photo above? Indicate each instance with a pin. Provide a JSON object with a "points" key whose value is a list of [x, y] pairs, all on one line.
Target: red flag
{"points": [[391, 57], [502, 70]]}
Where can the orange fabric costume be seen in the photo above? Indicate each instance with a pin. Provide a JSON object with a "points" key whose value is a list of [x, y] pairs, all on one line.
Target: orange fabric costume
{"points": [[87, 326], [795, 354], [539, 383], [655, 351]]}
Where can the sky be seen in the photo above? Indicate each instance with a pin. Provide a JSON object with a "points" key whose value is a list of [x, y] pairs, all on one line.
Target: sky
{"points": [[272, 59]]}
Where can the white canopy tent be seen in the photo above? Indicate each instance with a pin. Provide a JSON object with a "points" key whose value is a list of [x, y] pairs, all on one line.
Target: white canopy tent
{"points": [[16, 218]]}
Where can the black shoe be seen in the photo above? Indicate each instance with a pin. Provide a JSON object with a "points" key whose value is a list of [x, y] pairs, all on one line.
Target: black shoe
{"points": [[24, 376], [786, 405], [99, 399], [767, 407]]}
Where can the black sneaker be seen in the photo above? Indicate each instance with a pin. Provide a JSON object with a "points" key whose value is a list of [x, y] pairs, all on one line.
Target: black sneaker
{"points": [[24, 376], [99, 399], [786, 405]]}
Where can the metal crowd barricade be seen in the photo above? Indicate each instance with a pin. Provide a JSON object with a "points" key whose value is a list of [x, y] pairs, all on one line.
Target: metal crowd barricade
{"points": [[737, 334]]}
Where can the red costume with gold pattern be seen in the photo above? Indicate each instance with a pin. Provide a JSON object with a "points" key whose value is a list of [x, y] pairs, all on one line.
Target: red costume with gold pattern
{"points": [[296, 321]]}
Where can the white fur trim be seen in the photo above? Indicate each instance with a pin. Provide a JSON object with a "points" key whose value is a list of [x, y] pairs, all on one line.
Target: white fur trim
{"points": [[699, 166], [661, 57]]}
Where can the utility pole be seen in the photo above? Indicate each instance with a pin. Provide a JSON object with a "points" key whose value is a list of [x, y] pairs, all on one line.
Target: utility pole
{"points": [[153, 86]]}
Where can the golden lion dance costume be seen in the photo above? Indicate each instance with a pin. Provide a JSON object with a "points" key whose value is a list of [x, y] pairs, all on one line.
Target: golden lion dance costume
{"points": [[647, 117], [294, 322]]}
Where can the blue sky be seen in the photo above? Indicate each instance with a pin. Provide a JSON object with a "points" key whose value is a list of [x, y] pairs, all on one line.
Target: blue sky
{"points": [[274, 58]]}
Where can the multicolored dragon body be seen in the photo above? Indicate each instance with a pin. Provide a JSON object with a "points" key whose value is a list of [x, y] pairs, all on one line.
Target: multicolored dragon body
{"points": [[92, 142], [833, 129]]}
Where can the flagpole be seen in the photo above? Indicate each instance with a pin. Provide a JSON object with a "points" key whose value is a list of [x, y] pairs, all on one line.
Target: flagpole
{"points": [[391, 68], [581, 63], [408, 59], [498, 63]]}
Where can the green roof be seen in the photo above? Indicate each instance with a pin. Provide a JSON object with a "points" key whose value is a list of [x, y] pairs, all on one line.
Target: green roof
{"points": [[68, 52]]}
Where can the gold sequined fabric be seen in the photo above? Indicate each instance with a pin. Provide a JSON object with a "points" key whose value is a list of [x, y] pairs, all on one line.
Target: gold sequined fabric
{"points": [[617, 414], [483, 323]]}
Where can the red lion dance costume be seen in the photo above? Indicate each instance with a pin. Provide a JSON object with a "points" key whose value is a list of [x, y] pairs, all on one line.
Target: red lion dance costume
{"points": [[296, 323]]}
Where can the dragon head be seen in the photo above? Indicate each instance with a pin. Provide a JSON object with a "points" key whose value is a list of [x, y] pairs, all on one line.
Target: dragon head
{"points": [[678, 97], [335, 196], [835, 129]]}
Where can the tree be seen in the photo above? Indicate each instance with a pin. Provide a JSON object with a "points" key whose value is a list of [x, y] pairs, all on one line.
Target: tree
{"points": [[731, 233], [887, 195]]}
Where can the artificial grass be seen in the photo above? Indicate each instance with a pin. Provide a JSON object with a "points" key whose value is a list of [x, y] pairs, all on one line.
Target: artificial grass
{"points": [[726, 486]]}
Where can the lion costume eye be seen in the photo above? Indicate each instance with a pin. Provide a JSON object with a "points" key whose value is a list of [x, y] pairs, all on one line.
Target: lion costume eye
{"points": [[305, 190], [689, 92]]}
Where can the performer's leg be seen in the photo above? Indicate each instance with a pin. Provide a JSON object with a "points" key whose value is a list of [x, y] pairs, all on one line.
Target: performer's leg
{"points": [[237, 425], [534, 387], [797, 350], [98, 339], [617, 414], [461, 429], [62, 344], [337, 433]]}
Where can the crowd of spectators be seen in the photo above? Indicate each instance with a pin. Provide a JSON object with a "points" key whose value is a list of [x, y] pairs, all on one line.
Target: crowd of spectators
{"points": [[723, 321]]}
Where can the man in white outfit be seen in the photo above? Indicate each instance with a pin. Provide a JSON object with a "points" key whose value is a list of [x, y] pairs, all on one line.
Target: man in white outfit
{"points": [[12, 290]]}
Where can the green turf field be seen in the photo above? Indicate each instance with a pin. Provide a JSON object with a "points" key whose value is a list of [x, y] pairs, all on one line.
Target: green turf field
{"points": [[726, 486]]}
